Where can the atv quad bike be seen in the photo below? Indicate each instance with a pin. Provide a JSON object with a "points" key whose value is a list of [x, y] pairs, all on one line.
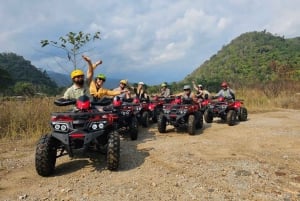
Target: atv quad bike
{"points": [[80, 130], [143, 111], [127, 121], [182, 114], [156, 107], [227, 110]]}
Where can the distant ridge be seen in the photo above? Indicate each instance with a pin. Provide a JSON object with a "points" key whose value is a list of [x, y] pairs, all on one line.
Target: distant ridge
{"points": [[62, 80]]}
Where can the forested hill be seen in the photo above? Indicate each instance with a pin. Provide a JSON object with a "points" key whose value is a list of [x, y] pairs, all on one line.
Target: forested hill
{"points": [[19, 77], [252, 58]]}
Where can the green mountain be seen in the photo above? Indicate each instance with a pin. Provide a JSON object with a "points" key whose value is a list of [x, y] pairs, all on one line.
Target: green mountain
{"points": [[62, 80], [19, 77], [252, 58]]}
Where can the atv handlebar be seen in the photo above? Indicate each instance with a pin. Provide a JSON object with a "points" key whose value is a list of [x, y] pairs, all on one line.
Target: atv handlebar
{"points": [[64, 102]]}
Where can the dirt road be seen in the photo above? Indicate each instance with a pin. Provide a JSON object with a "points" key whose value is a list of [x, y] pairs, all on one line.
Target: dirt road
{"points": [[254, 160]]}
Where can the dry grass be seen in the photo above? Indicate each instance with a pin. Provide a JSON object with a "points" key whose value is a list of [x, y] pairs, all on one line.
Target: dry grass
{"points": [[258, 101], [27, 120]]}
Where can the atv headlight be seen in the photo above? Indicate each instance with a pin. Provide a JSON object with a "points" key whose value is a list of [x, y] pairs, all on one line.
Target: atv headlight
{"points": [[94, 126], [101, 125], [166, 111], [183, 111], [60, 126], [125, 112], [63, 127], [97, 125], [57, 127]]}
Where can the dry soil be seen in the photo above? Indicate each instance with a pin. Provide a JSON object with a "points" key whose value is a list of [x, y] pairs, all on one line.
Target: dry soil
{"points": [[258, 159]]}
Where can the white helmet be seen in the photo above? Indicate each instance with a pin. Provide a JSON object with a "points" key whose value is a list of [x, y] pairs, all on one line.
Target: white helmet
{"points": [[186, 87]]}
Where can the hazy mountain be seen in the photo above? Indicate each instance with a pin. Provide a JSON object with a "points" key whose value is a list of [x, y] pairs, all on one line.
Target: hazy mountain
{"points": [[20, 75], [62, 80]]}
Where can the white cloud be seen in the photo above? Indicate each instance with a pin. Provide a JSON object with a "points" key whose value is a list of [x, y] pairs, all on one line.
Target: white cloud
{"points": [[223, 23]]}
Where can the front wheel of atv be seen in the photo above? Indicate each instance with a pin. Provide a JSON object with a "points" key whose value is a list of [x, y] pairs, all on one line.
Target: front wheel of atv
{"points": [[113, 150], [199, 122], [208, 116], [145, 119], [155, 115], [161, 123], [191, 125], [134, 128], [45, 155], [231, 117], [243, 115]]}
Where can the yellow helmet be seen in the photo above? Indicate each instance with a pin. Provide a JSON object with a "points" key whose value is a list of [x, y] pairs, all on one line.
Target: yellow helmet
{"points": [[123, 82], [76, 72]]}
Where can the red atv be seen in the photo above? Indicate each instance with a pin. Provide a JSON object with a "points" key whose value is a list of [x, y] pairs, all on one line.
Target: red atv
{"points": [[127, 121], [156, 107], [182, 114], [227, 110], [79, 130], [142, 107]]}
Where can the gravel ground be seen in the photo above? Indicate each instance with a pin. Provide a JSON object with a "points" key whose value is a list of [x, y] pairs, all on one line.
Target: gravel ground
{"points": [[254, 160]]}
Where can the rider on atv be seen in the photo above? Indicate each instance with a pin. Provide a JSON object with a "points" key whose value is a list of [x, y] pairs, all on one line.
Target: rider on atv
{"points": [[201, 92], [165, 91], [225, 92], [140, 92], [98, 91], [123, 87], [80, 85], [187, 93]]}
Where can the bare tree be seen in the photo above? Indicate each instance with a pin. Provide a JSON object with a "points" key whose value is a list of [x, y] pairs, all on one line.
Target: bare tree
{"points": [[72, 44]]}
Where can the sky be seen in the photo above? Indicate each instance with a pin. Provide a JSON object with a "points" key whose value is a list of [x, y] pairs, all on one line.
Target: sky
{"points": [[153, 41]]}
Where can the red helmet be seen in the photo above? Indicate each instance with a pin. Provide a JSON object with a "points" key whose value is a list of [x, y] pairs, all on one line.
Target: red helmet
{"points": [[224, 84]]}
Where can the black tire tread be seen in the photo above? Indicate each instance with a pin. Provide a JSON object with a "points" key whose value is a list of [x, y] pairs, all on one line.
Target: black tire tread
{"points": [[134, 128], [199, 123], [231, 117], [113, 150], [161, 123], [45, 155], [243, 114], [191, 125], [208, 116], [145, 119]]}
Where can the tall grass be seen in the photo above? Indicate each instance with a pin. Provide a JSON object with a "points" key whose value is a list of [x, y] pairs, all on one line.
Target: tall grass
{"points": [[29, 119], [25, 119], [257, 101]]}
